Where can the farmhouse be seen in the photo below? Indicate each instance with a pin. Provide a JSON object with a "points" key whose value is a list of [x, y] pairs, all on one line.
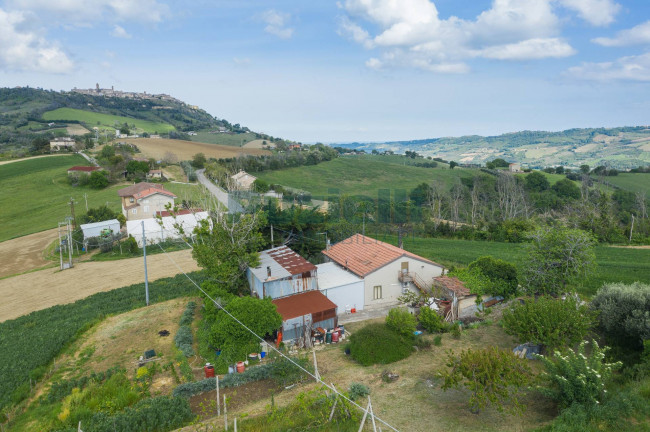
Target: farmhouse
{"points": [[62, 143], [79, 170], [341, 286], [166, 226], [302, 313], [243, 181], [143, 200], [281, 272], [387, 271], [515, 167], [156, 174]]}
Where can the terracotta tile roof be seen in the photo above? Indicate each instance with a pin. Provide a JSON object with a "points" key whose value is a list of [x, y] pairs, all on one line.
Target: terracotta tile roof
{"points": [[363, 255], [452, 284], [84, 168], [310, 302], [165, 213], [144, 189]]}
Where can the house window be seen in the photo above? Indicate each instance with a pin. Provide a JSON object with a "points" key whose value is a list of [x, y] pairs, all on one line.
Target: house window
{"points": [[134, 211], [376, 292], [146, 209], [131, 200]]}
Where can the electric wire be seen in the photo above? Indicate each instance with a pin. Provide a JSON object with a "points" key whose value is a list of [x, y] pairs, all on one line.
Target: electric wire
{"points": [[271, 346]]}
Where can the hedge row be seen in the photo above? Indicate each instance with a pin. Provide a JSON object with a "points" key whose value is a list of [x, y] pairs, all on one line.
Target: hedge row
{"points": [[184, 338]]}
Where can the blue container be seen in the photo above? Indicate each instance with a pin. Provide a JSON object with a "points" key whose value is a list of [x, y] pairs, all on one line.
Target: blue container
{"points": [[218, 352], [263, 354]]}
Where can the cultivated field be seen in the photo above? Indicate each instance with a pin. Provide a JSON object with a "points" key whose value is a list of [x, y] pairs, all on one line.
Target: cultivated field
{"points": [[41, 289], [25, 253], [184, 150], [362, 175], [92, 119], [633, 182], [257, 144], [5, 162], [227, 139]]}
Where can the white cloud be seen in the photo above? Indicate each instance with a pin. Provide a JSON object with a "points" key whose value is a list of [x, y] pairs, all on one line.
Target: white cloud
{"points": [[241, 61], [530, 49], [631, 68], [595, 12], [119, 32], [639, 34], [88, 12], [24, 49], [276, 23], [410, 33]]}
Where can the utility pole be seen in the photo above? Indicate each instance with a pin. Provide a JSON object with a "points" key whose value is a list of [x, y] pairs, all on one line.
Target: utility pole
{"points": [[60, 249], [144, 254], [271, 235], [631, 229], [74, 221], [70, 243], [86, 199]]}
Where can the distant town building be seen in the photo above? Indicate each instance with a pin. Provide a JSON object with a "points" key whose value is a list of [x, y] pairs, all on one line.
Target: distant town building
{"points": [[143, 200], [243, 181], [62, 143], [515, 167]]}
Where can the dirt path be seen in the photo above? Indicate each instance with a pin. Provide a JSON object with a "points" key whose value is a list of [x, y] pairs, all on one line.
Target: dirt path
{"points": [[25, 253], [33, 157], [632, 247], [41, 289]]}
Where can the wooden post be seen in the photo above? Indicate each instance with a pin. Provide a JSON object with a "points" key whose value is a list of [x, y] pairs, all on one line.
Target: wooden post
{"points": [[372, 415], [334, 407], [235, 424], [225, 412], [218, 400], [316, 374], [363, 420]]}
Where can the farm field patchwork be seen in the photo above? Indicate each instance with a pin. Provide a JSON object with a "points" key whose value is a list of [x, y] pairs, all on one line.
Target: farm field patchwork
{"points": [[25, 253], [226, 139], [362, 175], [92, 119], [185, 150], [633, 182]]}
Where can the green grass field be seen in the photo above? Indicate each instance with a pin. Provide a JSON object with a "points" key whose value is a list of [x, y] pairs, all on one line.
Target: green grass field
{"points": [[92, 119], [614, 264], [633, 182], [235, 140], [361, 175]]}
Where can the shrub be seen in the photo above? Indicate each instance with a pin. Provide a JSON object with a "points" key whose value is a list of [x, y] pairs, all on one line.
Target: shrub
{"points": [[131, 245], [437, 341], [553, 323], [576, 377], [431, 320], [501, 274], [358, 390], [378, 344], [401, 321], [624, 313], [188, 314], [184, 339]]}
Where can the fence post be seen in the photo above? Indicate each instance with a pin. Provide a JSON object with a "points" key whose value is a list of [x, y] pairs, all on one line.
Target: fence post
{"points": [[225, 413], [218, 400]]}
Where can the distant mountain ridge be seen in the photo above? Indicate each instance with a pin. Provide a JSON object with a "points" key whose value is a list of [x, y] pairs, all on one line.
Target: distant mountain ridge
{"points": [[621, 147]]}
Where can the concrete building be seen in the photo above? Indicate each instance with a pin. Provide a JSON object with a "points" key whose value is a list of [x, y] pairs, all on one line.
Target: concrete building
{"points": [[281, 272], [143, 200], [342, 287], [167, 227], [387, 271]]}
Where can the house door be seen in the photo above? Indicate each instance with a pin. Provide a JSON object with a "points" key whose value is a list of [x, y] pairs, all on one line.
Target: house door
{"points": [[405, 267]]}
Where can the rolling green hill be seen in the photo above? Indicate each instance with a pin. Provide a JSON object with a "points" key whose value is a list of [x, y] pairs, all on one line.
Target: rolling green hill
{"points": [[105, 120], [362, 175], [633, 182]]}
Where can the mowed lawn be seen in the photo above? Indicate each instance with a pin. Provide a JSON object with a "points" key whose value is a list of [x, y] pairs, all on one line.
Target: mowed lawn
{"points": [[362, 175], [108, 120], [36, 195], [615, 264]]}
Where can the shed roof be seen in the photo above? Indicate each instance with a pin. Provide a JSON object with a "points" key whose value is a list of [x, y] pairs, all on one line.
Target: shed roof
{"points": [[283, 263], [363, 255], [453, 284], [143, 189], [331, 275], [309, 302]]}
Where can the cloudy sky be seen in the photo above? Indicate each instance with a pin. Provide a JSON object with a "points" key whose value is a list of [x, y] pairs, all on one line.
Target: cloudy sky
{"points": [[352, 70]]}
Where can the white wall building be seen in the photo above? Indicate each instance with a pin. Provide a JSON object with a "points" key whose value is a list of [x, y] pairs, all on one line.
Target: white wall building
{"points": [[342, 287], [155, 232], [95, 229]]}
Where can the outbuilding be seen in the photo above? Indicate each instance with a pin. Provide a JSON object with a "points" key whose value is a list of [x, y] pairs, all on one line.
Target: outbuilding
{"points": [[303, 313], [342, 287], [281, 272], [99, 229], [166, 227]]}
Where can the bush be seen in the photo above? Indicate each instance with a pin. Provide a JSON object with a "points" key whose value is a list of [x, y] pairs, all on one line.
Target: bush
{"points": [[184, 339], [358, 390], [401, 321], [624, 313], [501, 274], [188, 314], [154, 414], [553, 323], [431, 320], [437, 341], [378, 344], [576, 377], [98, 179], [131, 245]]}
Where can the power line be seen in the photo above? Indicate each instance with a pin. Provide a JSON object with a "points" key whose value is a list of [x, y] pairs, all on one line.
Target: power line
{"points": [[261, 339]]}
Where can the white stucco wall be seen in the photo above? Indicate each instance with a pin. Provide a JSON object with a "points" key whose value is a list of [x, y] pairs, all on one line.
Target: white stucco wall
{"points": [[351, 295], [387, 277], [149, 206]]}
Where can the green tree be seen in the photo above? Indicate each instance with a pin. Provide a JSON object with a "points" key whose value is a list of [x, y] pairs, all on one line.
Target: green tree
{"points": [[552, 323], [431, 320], [107, 152], [501, 274], [537, 182], [135, 167], [401, 321], [493, 376], [452, 164], [420, 195], [260, 186], [124, 129], [98, 214], [624, 313], [577, 376], [556, 258], [259, 315], [500, 163], [228, 248], [198, 160], [584, 169], [98, 179], [567, 189]]}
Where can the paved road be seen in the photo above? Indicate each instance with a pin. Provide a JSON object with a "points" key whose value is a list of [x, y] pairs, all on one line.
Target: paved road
{"points": [[230, 203]]}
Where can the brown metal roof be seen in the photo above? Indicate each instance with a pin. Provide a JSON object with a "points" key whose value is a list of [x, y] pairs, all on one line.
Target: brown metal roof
{"points": [[452, 284], [290, 261], [310, 302], [144, 189], [363, 255]]}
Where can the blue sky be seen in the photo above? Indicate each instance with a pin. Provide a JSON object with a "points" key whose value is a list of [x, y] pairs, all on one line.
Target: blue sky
{"points": [[352, 70]]}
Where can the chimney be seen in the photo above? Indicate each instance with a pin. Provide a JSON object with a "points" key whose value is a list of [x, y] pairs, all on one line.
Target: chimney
{"points": [[328, 245], [268, 271]]}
